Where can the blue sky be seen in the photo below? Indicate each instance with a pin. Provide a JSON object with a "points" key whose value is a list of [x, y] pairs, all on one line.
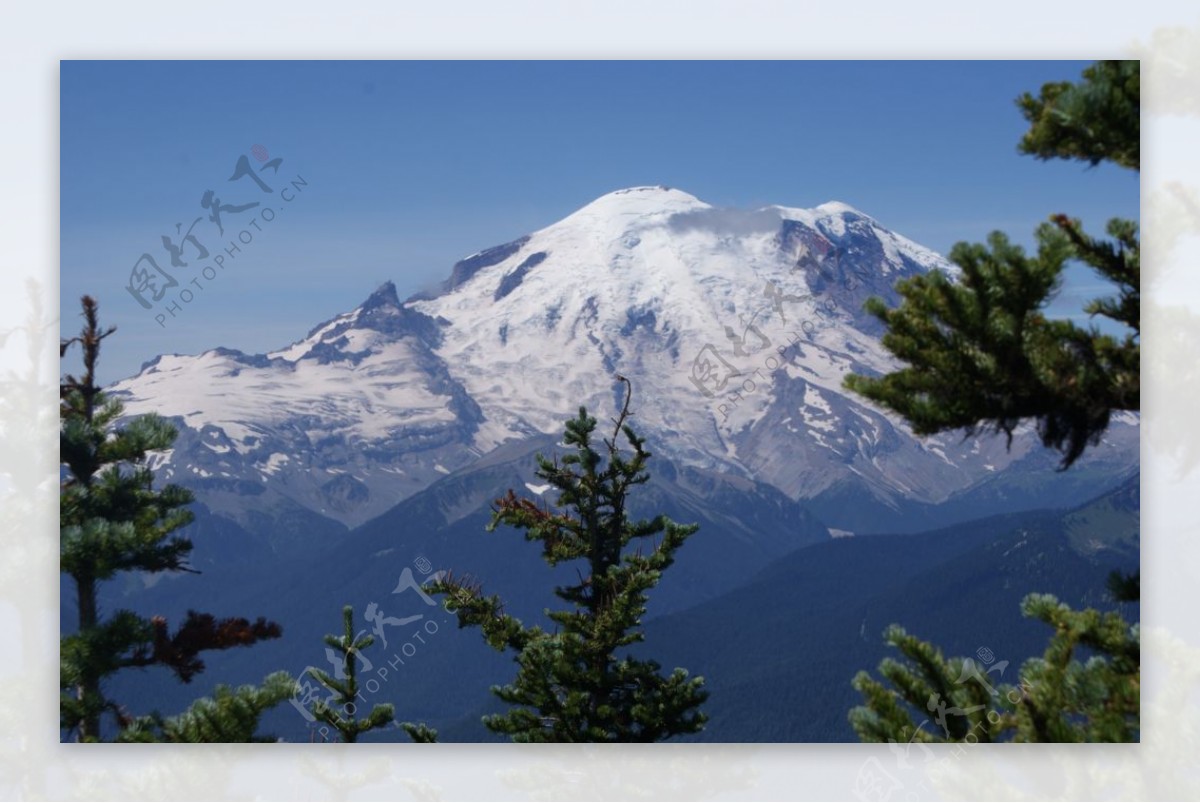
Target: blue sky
{"points": [[410, 166]]}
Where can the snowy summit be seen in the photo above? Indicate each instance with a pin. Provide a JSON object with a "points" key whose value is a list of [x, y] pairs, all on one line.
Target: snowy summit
{"points": [[736, 328]]}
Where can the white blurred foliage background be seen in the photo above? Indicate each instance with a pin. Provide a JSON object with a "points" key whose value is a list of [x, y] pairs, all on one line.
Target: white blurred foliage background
{"points": [[33, 765]]}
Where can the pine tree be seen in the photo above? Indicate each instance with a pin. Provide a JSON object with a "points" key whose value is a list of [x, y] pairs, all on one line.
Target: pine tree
{"points": [[1095, 120], [981, 354], [572, 685], [113, 520], [922, 683], [345, 687], [1067, 700], [1059, 698], [230, 715]]}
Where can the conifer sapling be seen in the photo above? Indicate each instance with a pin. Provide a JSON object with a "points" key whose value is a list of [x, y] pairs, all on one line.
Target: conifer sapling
{"points": [[578, 682]]}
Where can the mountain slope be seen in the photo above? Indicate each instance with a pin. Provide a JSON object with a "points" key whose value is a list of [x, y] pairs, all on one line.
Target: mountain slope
{"points": [[744, 526], [735, 327], [345, 422], [782, 672]]}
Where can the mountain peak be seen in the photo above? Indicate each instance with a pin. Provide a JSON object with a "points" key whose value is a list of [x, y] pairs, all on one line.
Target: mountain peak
{"points": [[384, 296], [661, 189], [839, 208], [638, 201]]}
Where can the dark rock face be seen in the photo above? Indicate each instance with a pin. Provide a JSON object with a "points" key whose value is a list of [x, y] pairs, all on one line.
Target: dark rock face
{"points": [[513, 280], [845, 269], [344, 493], [464, 270]]}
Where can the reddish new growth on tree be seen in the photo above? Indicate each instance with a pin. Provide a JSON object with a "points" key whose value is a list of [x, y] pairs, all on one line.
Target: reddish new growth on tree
{"points": [[113, 520]]}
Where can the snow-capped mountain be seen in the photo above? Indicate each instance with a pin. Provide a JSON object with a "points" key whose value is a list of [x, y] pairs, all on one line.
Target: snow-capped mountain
{"points": [[736, 329], [347, 422]]}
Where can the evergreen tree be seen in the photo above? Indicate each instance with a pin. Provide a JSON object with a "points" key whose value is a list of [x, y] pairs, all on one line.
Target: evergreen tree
{"points": [[1059, 698], [1067, 700], [571, 683], [112, 520], [230, 715], [922, 683], [1095, 120], [345, 686], [981, 354]]}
